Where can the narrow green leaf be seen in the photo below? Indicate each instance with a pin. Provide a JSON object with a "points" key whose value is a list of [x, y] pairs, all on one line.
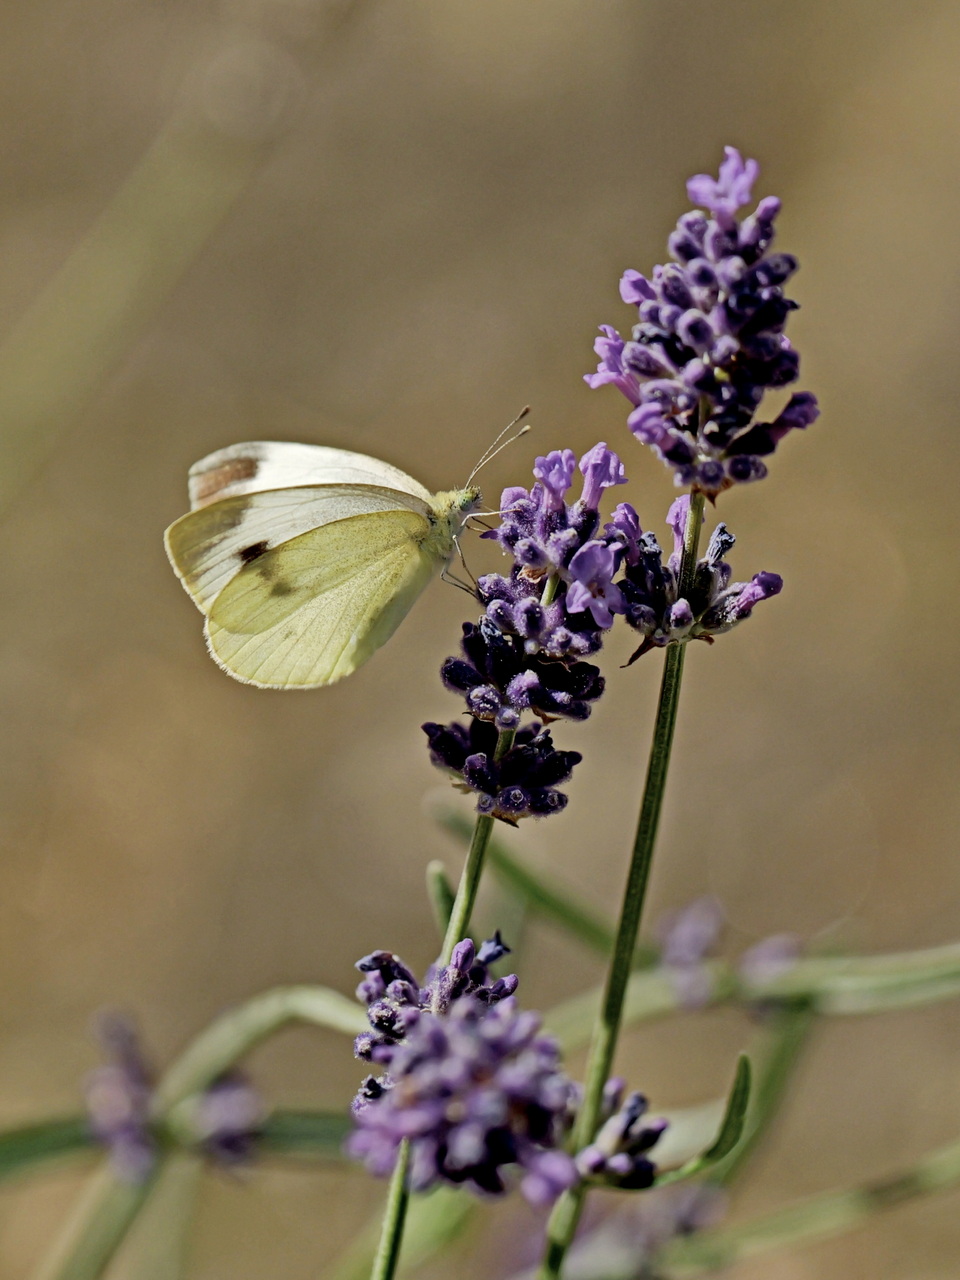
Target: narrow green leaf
{"points": [[232, 1035], [307, 1133], [729, 1133], [735, 1116], [441, 894], [21, 1148]]}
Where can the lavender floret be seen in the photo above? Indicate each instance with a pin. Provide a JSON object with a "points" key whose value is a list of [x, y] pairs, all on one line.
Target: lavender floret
{"points": [[524, 656], [710, 339]]}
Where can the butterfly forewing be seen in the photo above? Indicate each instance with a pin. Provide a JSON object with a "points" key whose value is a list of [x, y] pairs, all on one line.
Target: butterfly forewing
{"points": [[313, 610], [211, 545], [261, 465]]}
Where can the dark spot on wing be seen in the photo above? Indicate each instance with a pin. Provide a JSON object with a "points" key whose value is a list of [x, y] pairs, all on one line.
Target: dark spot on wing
{"points": [[248, 554], [282, 589]]}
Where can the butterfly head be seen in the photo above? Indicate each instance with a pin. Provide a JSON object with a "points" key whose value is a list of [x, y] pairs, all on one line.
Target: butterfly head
{"points": [[453, 506]]}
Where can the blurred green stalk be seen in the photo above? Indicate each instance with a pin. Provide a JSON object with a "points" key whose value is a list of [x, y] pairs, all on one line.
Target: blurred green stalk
{"points": [[815, 1219]]}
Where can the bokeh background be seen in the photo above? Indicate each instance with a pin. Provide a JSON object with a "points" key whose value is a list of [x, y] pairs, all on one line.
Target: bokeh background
{"points": [[389, 226]]}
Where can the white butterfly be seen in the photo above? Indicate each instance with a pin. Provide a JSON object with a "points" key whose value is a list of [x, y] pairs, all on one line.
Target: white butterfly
{"points": [[305, 560]]}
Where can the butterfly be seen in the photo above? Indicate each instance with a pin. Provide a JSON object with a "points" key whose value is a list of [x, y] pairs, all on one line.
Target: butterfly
{"points": [[304, 560]]}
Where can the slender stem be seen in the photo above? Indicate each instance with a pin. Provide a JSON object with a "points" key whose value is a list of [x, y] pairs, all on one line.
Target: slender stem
{"points": [[818, 1218], [96, 1228], [546, 896], [391, 1235], [394, 1216], [459, 921], [566, 1215]]}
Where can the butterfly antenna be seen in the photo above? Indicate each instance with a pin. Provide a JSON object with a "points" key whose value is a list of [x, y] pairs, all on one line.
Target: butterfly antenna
{"points": [[495, 448]]}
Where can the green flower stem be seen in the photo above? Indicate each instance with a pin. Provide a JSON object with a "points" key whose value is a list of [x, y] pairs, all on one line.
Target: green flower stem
{"points": [[391, 1234], [566, 1215], [394, 1216], [459, 921], [835, 986], [546, 896], [96, 1228], [818, 1218], [232, 1036], [433, 1222], [30, 1145]]}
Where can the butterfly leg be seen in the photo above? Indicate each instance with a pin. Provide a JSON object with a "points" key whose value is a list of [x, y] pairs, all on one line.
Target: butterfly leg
{"points": [[446, 576]]}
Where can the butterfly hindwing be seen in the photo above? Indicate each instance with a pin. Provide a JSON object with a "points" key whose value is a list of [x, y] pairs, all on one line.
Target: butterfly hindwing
{"points": [[311, 610]]}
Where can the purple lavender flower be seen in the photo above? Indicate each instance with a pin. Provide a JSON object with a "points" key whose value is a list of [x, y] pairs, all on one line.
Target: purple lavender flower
{"points": [[471, 1082], [650, 589], [395, 999], [710, 339], [687, 938], [618, 1154], [592, 588], [118, 1101], [520, 785], [225, 1118], [524, 655], [724, 195]]}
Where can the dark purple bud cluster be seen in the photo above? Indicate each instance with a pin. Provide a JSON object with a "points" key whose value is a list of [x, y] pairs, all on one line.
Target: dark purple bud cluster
{"points": [[475, 1089], [224, 1122], [523, 783], [617, 1156], [650, 588], [710, 339], [395, 999], [524, 655]]}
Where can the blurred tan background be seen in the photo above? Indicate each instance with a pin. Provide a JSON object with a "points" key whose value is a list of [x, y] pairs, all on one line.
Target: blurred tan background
{"points": [[388, 228]]}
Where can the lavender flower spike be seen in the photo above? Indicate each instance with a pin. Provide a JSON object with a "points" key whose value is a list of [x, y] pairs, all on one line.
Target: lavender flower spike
{"points": [[710, 339], [472, 1085]]}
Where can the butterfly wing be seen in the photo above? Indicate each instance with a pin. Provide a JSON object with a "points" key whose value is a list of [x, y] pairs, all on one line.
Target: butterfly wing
{"points": [[210, 545], [260, 465], [311, 610]]}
